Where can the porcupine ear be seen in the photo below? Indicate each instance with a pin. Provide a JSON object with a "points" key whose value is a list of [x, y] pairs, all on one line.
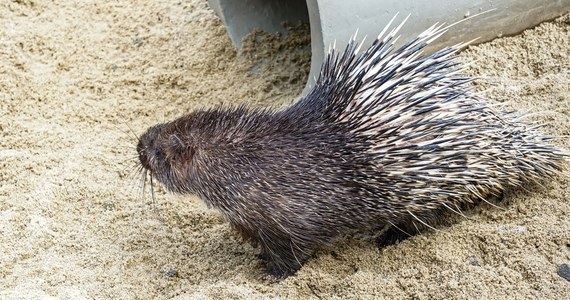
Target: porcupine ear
{"points": [[179, 152]]}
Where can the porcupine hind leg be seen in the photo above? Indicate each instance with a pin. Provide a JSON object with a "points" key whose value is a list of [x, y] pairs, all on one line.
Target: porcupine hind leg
{"points": [[284, 262], [409, 226], [390, 237], [417, 222]]}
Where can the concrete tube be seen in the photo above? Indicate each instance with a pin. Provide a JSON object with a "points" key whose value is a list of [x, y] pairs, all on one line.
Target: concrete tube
{"points": [[338, 20], [243, 16]]}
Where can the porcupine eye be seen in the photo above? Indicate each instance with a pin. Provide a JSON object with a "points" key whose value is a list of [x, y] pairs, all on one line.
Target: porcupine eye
{"points": [[159, 154]]}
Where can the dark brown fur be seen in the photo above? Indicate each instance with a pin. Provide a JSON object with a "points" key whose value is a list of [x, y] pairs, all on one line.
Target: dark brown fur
{"points": [[380, 140]]}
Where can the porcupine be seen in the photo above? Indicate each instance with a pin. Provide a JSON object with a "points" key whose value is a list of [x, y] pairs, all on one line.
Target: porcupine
{"points": [[390, 137]]}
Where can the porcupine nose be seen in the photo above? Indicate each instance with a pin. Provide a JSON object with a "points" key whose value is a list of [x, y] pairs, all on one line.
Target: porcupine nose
{"points": [[143, 157]]}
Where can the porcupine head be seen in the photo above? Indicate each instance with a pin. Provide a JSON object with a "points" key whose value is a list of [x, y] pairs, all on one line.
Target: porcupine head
{"points": [[386, 137]]}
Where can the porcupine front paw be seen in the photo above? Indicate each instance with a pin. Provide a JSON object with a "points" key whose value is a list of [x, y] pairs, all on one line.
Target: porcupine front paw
{"points": [[280, 272], [282, 264]]}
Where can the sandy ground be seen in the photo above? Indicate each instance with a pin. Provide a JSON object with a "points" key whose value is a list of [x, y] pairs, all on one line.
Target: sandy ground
{"points": [[79, 78]]}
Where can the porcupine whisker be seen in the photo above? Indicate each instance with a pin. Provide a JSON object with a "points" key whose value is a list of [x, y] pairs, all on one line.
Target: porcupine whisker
{"points": [[131, 133], [142, 185], [153, 194], [128, 165], [126, 145], [125, 168], [131, 176], [126, 133], [137, 169], [131, 168], [134, 158], [137, 138]]}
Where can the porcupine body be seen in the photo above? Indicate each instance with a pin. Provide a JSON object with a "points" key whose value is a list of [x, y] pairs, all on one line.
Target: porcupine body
{"points": [[387, 137]]}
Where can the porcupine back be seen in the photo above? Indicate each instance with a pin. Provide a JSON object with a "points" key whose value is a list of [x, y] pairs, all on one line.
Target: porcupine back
{"points": [[433, 146]]}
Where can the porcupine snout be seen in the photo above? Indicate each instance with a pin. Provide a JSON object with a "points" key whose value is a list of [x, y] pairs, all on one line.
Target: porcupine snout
{"points": [[143, 157], [148, 148]]}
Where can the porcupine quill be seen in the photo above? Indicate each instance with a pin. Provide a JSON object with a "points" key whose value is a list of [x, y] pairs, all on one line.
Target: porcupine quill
{"points": [[387, 137]]}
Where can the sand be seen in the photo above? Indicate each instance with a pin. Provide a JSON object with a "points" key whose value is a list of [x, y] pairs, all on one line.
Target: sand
{"points": [[78, 81]]}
